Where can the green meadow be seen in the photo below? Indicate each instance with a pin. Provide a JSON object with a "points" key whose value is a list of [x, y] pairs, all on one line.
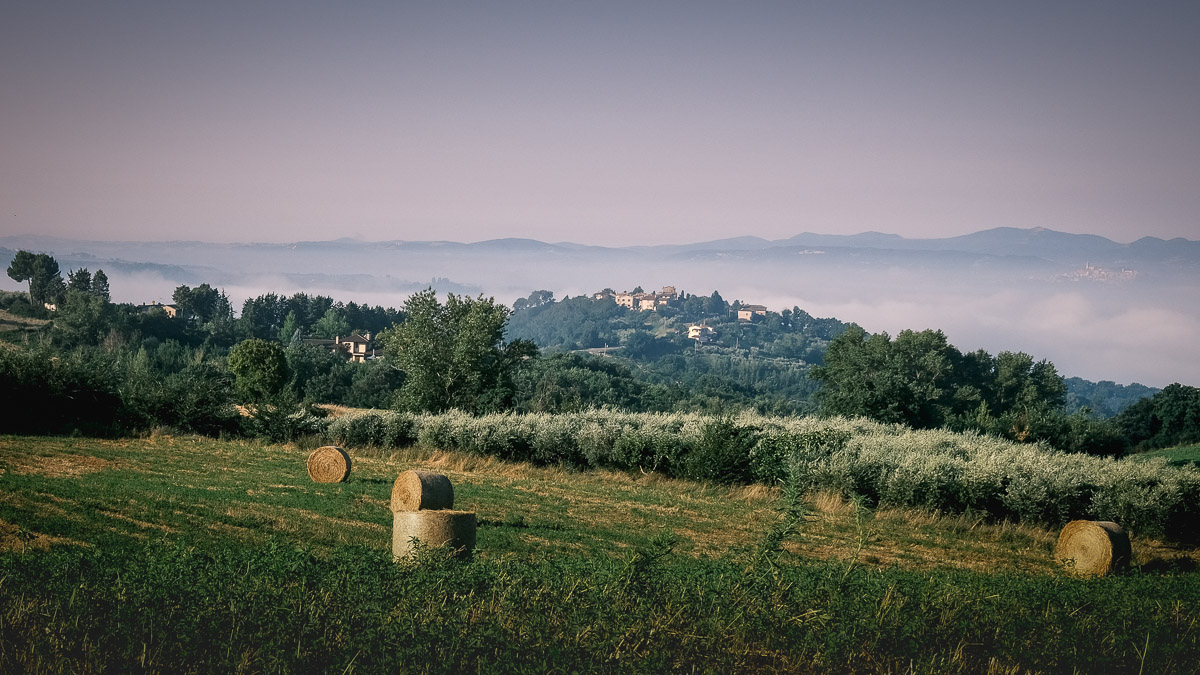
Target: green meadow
{"points": [[1180, 456], [187, 554]]}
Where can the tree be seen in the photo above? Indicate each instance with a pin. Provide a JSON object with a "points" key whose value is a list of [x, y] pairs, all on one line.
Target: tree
{"points": [[331, 325], [42, 273], [100, 286], [291, 327], [260, 369], [262, 317], [317, 375], [80, 280], [919, 379], [715, 305], [454, 355], [1023, 385], [536, 299], [1170, 417], [82, 319], [910, 380], [203, 303]]}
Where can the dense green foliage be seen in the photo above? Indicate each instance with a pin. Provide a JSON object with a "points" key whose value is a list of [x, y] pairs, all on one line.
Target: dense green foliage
{"points": [[454, 354], [1105, 398], [1170, 417], [760, 364], [43, 392], [95, 392], [275, 317], [921, 380], [260, 369]]}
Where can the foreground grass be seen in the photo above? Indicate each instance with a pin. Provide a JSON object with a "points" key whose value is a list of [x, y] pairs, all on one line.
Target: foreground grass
{"points": [[182, 554]]}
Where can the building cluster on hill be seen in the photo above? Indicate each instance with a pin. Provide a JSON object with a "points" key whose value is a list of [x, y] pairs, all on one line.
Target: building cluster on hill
{"points": [[702, 333], [1090, 272], [637, 300]]}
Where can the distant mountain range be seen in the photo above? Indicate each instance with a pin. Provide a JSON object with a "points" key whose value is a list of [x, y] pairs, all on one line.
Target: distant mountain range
{"points": [[1038, 243], [511, 265]]}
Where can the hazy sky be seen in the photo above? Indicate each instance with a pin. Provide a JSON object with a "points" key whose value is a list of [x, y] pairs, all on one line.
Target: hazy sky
{"points": [[599, 122]]}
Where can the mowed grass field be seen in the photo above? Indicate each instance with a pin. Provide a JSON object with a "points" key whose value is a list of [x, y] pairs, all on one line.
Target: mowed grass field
{"points": [[176, 554]]}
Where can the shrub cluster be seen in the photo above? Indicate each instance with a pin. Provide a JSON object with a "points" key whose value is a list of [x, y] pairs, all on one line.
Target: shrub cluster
{"points": [[91, 392], [888, 465]]}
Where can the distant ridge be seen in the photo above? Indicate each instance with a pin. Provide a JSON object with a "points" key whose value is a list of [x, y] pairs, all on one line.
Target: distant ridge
{"points": [[1057, 250], [1006, 238]]}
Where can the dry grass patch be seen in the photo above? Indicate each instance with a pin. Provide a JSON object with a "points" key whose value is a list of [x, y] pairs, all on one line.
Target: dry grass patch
{"points": [[335, 411], [831, 503], [754, 494], [17, 538], [1155, 554], [920, 539], [12, 322], [53, 466]]}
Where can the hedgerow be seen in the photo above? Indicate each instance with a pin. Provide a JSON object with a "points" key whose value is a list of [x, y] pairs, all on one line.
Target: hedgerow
{"points": [[889, 465]]}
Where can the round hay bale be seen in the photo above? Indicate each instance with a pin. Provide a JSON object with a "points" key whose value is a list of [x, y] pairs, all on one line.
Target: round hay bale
{"points": [[328, 464], [1093, 547], [422, 490], [434, 529]]}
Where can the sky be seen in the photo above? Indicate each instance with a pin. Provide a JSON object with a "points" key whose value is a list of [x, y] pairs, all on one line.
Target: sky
{"points": [[609, 123]]}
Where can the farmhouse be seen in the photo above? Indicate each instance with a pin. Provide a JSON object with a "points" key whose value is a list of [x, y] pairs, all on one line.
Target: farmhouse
{"points": [[169, 310], [357, 347], [748, 312], [701, 334]]}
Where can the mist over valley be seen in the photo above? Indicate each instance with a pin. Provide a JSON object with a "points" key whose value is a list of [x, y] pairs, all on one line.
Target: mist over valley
{"points": [[1097, 309]]}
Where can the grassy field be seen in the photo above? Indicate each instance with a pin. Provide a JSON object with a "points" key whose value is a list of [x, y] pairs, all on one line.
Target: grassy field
{"points": [[16, 329], [1181, 456], [186, 554]]}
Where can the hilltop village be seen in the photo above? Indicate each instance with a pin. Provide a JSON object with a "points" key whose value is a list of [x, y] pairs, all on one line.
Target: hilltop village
{"points": [[668, 297]]}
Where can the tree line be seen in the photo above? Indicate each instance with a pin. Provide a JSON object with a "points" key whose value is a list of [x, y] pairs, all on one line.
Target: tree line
{"points": [[138, 369]]}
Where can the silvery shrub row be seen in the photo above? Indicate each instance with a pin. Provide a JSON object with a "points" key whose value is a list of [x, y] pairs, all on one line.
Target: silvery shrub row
{"points": [[888, 465]]}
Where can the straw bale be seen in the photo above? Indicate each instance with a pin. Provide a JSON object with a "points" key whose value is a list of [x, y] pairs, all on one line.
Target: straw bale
{"points": [[434, 529], [328, 464], [422, 490], [1093, 547]]}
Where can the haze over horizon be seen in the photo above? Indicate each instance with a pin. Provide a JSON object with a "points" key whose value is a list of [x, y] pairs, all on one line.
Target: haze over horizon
{"points": [[500, 237], [612, 124]]}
